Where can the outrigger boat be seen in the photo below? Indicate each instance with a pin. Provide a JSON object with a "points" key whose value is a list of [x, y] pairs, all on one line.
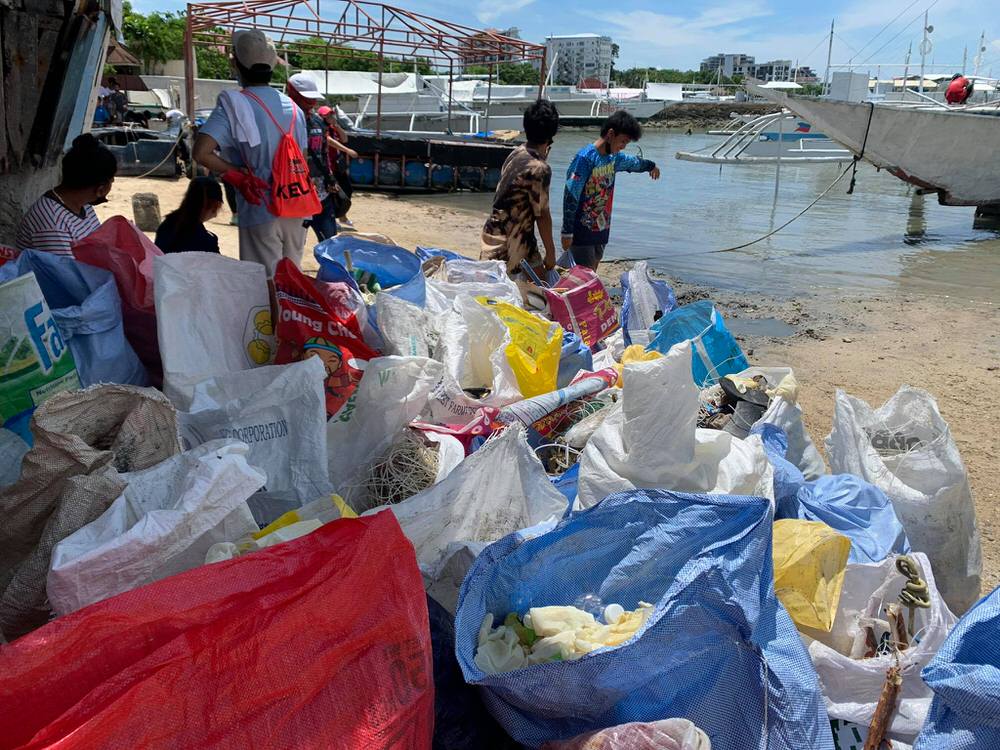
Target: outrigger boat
{"points": [[951, 151]]}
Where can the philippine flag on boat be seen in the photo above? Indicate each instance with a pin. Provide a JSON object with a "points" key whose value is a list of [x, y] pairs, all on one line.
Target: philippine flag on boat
{"points": [[804, 127]]}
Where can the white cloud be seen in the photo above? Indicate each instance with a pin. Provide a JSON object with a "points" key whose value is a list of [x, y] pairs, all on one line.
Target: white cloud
{"points": [[490, 10]]}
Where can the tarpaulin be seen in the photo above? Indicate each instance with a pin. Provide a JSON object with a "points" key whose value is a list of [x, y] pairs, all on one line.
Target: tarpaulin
{"points": [[316, 643], [849, 505]]}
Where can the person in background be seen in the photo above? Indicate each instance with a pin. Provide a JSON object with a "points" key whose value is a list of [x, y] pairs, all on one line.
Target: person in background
{"points": [[590, 187], [239, 141], [336, 139], [521, 200], [65, 214], [101, 114], [959, 90], [118, 100], [305, 93], [174, 119], [184, 228]]}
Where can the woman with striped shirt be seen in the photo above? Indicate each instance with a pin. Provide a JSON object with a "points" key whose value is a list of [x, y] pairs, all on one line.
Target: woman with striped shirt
{"points": [[65, 214]]}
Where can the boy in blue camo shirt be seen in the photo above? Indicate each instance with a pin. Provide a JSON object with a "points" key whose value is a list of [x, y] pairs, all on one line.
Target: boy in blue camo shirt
{"points": [[590, 188]]}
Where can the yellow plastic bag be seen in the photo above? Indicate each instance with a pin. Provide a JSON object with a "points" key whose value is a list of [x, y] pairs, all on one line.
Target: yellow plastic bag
{"points": [[325, 509], [809, 563], [534, 350], [631, 355]]}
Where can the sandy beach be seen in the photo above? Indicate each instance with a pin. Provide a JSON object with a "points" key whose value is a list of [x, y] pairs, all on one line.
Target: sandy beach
{"points": [[868, 345]]}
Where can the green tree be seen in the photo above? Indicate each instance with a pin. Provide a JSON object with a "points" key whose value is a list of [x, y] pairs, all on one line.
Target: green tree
{"points": [[521, 74], [159, 37]]}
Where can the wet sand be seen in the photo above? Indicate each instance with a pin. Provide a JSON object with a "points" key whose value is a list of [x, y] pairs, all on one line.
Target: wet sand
{"points": [[866, 343]]}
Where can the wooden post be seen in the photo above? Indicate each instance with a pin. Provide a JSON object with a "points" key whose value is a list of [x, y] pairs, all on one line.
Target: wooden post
{"points": [[451, 75], [489, 98], [542, 74], [381, 65], [189, 63]]}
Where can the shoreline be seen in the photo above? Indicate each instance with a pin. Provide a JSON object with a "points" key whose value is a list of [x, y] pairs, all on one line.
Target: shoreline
{"points": [[868, 343]]}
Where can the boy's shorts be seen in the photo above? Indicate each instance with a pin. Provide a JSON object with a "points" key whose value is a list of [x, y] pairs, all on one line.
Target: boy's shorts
{"points": [[587, 255]]}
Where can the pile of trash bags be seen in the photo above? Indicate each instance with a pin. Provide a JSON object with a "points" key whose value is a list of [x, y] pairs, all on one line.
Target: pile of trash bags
{"points": [[412, 503]]}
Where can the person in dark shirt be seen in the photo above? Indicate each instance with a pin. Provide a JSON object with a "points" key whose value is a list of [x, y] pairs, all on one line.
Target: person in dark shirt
{"points": [[306, 94], [118, 100], [184, 229], [521, 201]]}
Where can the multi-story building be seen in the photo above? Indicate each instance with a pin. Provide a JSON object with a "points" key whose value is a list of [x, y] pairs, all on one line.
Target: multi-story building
{"points": [[804, 74], [731, 64], [775, 70], [579, 57]]}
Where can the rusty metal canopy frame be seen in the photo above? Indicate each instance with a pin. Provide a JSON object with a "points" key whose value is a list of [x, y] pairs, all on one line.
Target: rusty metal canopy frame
{"points": [[350, 28]]}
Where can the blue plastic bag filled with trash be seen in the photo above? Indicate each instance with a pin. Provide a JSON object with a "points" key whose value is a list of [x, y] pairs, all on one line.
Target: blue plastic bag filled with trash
{"points": [[642, 297], [425, 253], [87, 310], [389, 264], [718, 648], [846, 503], [574, 356], [715, 352], [965, 678]]}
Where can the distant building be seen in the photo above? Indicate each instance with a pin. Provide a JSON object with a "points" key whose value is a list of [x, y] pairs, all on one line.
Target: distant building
{"points": [[731, 63], [804, 74], [480, 49], [775, 70], [578, 57]]}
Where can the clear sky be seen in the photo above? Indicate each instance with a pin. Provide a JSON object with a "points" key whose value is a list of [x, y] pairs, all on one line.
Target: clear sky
{"points": [[673, 34]]}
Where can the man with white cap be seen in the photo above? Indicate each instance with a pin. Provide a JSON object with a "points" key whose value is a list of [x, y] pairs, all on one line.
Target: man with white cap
{"points": [[302, 90], [239, 141]]}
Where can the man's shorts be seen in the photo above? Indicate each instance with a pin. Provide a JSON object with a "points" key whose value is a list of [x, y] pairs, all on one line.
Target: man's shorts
{"points": [[587, 255]]}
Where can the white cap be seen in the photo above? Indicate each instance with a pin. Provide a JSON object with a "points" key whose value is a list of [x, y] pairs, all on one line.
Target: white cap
{"points": [[305, 86], [252, 47]]}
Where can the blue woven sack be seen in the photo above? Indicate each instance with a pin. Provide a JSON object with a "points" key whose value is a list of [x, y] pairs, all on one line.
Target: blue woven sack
{"points": [[965, 678], [718, 649]]}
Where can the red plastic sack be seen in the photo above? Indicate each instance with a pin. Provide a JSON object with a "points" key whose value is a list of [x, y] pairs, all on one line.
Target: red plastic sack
{"points": [[308, 326], [120, 247], [8, 253], [321, 642], [580, 303]]}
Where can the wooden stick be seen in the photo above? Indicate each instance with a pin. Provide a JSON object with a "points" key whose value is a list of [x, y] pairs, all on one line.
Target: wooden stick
{"points": [[885, 708], [897, 629]]}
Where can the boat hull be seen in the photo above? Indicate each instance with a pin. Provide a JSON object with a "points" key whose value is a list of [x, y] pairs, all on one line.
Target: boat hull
{"points": [[954, 153]]}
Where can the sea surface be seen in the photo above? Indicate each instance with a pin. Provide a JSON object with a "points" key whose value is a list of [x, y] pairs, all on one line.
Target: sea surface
{"points": [[883, 238]]}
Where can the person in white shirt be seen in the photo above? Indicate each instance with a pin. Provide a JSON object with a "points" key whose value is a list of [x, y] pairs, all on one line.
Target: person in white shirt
{"points": [[239, 141], [65, 214]]}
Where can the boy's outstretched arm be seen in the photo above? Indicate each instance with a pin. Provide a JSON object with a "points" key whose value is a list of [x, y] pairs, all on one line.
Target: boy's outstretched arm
{"points": [[628, 163], [576, 177]]}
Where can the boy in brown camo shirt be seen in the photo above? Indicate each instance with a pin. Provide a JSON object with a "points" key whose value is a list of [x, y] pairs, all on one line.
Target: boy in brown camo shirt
{"points": [[522, 198]]}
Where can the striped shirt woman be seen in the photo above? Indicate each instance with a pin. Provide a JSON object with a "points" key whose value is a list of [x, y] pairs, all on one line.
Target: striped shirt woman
{"points": [[51, 226]]}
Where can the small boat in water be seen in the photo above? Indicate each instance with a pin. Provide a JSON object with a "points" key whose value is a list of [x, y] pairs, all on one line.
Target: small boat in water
{"points": [[951, 151], [767, 138]]}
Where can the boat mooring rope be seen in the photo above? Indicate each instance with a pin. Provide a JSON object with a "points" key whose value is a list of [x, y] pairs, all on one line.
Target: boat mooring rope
{"points": [[852, 167]]}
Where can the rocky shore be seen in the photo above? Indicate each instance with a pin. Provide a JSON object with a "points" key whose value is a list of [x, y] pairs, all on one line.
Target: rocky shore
{"points": [[705, 115]]}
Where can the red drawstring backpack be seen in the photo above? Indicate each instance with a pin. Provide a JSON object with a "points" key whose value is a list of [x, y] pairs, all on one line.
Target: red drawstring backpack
{"points": [[293, 195]]}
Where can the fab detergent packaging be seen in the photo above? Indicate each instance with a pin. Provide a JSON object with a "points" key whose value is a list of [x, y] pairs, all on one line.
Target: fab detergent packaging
{"points": [[309, 326], [35, 362]]}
